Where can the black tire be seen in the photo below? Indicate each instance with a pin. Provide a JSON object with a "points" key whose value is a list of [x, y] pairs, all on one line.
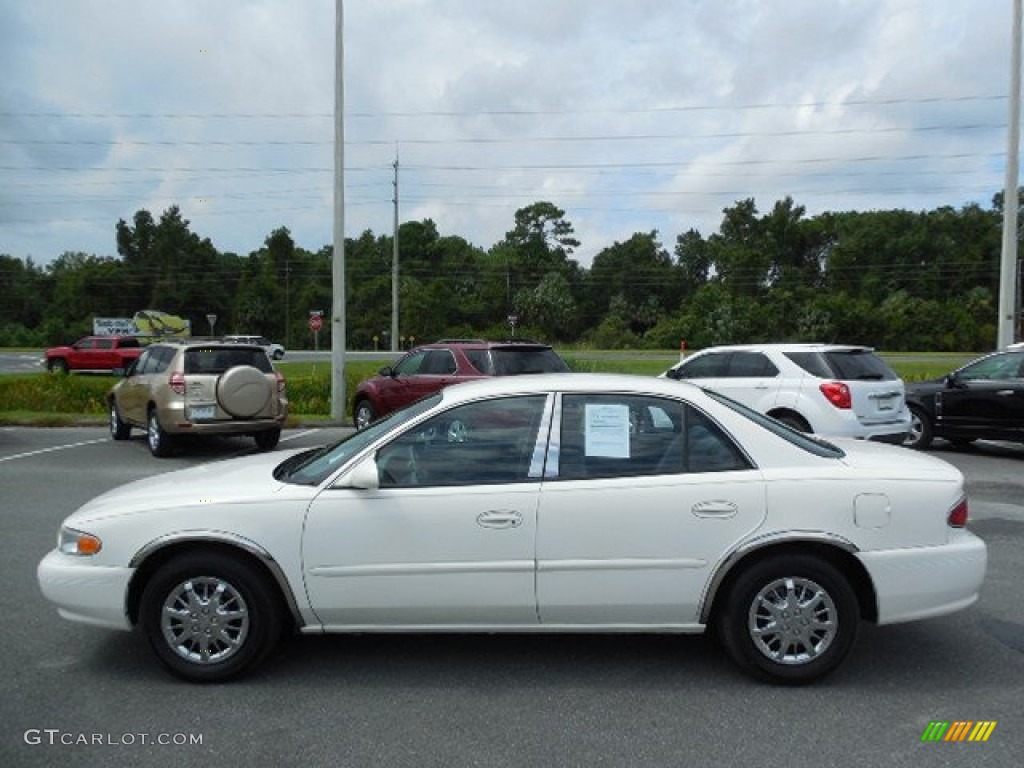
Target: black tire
{"points": [[795, 421], [921, 431], [57, 365], [210, 617], [789, 619], [119, 430], [160, 443], [268, 439], [364, 414]]}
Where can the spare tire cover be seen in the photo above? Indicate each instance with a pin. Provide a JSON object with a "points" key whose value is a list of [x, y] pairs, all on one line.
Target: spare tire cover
{"points": [[243, 391]]}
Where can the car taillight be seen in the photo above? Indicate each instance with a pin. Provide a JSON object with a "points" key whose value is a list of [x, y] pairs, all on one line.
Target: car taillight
{"points": [[280, 382], [177, 383], [837, 393], [958, 515]]}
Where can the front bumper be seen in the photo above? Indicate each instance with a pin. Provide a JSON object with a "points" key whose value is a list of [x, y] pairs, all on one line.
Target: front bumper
{"points": [[85, 592], [924, 582]]}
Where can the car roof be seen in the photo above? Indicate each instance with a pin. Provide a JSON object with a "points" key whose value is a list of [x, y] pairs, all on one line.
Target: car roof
{"points": [[541, 383], [482, 344], [788, 347]]}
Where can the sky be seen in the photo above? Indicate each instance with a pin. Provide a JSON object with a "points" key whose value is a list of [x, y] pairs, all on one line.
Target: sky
{"points": [[629, 115]]}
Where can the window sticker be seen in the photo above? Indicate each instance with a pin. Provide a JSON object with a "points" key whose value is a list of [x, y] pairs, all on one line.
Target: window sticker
{"points": [[607, 431]]}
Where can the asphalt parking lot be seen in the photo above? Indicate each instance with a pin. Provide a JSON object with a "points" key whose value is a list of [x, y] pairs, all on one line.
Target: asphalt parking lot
{"points": [[75, 695]]}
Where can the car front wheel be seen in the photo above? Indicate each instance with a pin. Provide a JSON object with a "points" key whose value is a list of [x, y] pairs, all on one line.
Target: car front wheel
{"points": [[209, 617], [364, 414], [789, 619], [921, 433], [119, 430]]}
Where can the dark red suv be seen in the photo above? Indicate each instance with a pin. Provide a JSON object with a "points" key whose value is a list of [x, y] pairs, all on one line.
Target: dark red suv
{"points": [[428, 368]]}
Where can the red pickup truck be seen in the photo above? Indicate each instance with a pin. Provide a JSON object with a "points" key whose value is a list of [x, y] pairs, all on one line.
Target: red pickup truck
{"points": [[94, 353]]}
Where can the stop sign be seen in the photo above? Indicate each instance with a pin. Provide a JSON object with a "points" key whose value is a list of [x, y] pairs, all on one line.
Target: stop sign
{"points": [[315, 322]]}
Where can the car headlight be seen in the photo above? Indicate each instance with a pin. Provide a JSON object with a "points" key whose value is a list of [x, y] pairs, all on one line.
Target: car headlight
{"points": [[72, 542]]}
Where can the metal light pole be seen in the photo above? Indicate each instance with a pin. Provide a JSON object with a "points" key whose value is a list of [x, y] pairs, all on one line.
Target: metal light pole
{"points": [[1008, 261], [394, 268], [338, 398]]}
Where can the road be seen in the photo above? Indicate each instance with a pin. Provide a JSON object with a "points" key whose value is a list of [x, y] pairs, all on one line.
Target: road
{"points": [[487, 700]]}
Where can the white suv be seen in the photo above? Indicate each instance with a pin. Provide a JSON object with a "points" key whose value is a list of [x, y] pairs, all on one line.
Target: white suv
{"points": [[274, 351], [829, 389]]}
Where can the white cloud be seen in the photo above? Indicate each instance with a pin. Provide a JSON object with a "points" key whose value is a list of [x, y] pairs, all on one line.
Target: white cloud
{"points": [[631, 115]]}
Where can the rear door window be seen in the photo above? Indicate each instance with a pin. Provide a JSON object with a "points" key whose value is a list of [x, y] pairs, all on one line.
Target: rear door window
{"points": [[751, 364]]}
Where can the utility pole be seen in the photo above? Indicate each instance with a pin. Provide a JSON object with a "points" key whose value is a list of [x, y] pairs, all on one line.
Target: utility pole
{"points": [[1006, 327], [338, 398], [394, 266]]}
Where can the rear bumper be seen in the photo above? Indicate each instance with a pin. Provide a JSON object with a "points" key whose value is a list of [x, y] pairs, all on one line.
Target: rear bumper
{"points": [[174, 422], [924, 582]]}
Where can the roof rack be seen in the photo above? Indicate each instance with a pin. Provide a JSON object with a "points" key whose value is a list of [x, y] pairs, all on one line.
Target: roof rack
{"points": [[460, 341]]}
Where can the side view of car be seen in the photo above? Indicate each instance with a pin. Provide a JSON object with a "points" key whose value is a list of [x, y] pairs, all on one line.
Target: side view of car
{"points": [[561, 503], [431, 367], [199, 388], [982, 400], [829, 389], [94, 353]]}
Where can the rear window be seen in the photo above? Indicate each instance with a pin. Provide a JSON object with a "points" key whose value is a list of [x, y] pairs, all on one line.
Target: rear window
{"points": [[512, 362], [847, 365], [216, 360]]}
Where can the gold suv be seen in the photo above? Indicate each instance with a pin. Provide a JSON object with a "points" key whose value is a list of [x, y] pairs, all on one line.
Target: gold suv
{"points": [[199, 388]]}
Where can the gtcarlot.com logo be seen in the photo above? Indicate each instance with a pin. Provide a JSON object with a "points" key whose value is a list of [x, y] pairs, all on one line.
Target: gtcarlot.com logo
{"points": [[958, 730], [54, 736]]}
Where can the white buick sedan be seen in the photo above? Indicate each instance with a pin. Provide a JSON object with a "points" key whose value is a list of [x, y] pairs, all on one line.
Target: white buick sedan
{"points": [[555, 503]]}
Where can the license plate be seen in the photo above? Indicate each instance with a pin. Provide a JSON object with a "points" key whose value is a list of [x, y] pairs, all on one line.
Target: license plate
{"points": [[202, 413], [887, 404]]}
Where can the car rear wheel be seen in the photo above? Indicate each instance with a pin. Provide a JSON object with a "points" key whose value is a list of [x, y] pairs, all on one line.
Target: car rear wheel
{"points": [[921, 433], [160, 443], [364, 414], [794, 420], [210, 617], [268, 439], [789, 619], [118, 429]]}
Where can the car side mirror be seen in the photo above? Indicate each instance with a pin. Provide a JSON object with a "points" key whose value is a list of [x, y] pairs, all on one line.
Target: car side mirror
{"points": [[388, 371], [672, 373], [364, 476], [952, 381]]}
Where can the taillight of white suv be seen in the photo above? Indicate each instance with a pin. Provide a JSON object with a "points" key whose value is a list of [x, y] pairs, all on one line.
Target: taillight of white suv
{"points": [[837, 393]]}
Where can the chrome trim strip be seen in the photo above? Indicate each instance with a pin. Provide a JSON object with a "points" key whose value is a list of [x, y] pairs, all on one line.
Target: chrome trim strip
{"points": [[421, 569]]}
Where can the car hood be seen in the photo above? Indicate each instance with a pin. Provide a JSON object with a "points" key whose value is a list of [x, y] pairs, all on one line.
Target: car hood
{"points": [[894, 461], [231, 481]]}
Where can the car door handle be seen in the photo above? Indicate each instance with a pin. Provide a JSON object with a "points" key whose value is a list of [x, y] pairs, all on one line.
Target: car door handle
{"points": [[717, 508], [1005, 393], [499, 519]]}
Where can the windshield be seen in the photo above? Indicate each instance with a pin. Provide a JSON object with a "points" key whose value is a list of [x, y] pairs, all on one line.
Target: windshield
{"points": [[313, 467], [807, 442]]}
